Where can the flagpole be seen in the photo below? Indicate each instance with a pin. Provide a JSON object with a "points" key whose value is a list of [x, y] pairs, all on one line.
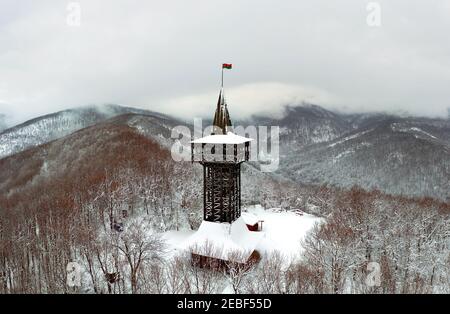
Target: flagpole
{"points": [[222, 77]]}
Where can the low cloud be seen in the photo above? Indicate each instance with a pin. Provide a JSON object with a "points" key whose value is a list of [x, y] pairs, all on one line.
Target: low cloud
{"points": [[166, 56], [243, 101]]}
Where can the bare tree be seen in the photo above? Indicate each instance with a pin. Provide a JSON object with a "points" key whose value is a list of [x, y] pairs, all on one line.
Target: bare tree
{"points": [[237, 268], [269, 275], [139, 246]]}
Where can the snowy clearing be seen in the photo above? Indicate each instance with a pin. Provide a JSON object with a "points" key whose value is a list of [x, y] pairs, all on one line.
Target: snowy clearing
{"points": [[350, 137], [399, 128], [282, 231]]}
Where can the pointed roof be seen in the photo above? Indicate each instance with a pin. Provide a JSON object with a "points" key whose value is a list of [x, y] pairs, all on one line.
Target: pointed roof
{"points": [[222, 121]]}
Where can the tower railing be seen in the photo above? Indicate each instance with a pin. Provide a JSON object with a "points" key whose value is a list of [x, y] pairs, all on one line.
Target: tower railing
{"points": [[224, 153]]}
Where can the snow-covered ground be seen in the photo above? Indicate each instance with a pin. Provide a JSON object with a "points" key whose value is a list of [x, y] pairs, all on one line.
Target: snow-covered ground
{"points": [[350, 137], [176, 239], [282, 231]]}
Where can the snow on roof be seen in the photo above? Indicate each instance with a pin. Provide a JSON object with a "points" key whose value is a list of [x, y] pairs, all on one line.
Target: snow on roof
{"points": [[224, 241], [250, 219], [229, 138]]}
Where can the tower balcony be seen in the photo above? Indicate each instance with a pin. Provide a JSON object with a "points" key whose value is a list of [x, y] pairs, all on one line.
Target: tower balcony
{"points": [[221, 148]]}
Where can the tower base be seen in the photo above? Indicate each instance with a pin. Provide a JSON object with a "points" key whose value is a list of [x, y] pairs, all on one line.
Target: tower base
{"points": [[227, 242]]}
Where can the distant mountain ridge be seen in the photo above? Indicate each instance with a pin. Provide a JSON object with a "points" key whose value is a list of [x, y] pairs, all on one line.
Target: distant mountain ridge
{"points": [[123, 149], [397, 155], [49, 127]]}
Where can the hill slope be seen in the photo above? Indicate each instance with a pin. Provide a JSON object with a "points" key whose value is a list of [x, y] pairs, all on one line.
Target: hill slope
{"points": [[398, 155], [46, 128]]}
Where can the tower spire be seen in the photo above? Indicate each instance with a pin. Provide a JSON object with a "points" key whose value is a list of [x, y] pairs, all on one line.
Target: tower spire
{"points": [[222, 121]]}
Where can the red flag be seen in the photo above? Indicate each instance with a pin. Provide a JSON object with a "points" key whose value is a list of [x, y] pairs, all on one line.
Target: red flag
{"points": [[227, 66]]}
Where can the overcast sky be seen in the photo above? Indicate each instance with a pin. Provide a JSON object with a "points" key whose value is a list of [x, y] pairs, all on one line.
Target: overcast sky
{"points": [[167, 55]]}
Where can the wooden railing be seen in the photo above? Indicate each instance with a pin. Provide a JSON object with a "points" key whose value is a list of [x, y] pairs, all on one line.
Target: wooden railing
{"points": [[229, 153]]}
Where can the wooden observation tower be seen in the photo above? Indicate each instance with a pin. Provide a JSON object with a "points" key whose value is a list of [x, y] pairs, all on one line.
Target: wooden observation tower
{"points": [[221, 154]]}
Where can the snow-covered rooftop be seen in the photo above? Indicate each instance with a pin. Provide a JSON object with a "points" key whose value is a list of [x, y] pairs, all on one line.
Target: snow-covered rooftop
{"points": [[249, 218], [229, 138], [224, 241], [282, 232]]}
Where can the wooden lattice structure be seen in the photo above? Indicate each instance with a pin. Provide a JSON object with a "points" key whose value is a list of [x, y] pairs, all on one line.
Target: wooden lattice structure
{"points": [[221, 155], [223, 237]]}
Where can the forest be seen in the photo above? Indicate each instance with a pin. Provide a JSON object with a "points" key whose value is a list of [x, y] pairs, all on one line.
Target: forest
{"points": [[72, 208]]}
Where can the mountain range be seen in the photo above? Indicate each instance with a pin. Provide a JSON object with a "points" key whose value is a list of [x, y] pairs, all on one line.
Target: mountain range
{"points": [[395, 154], [398, 155]]}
